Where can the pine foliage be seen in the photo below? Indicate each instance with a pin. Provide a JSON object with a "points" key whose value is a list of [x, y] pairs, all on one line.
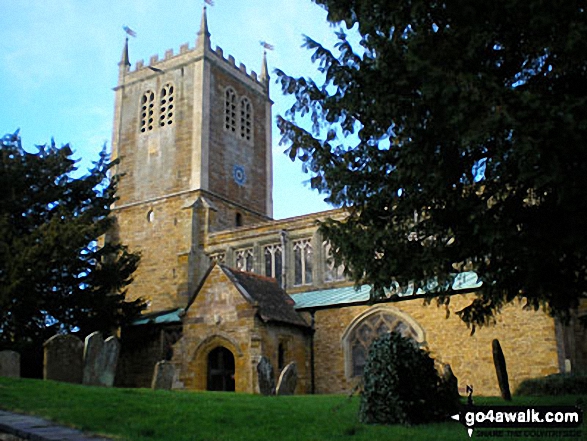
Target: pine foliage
{"points": [[455, 133], [55, 273]]}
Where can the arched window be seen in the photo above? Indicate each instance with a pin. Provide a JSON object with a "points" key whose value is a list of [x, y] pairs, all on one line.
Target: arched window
{"points": [[244, 259], [246, 119], [367, 327], [147, 111], [166, 105], [332, 273], [303, 262], [273, 262], [230, 110]]}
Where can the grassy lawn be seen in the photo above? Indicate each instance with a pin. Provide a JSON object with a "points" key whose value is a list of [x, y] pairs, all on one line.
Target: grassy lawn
{"points": [[142, 414]]}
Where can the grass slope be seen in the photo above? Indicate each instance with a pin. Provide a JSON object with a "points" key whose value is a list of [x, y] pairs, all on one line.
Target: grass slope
{"points": [[145, 415]]}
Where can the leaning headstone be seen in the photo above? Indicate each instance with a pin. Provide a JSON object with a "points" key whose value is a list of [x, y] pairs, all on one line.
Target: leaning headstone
{"points": [[100, 360], [110, 353], [163, 375], [93, 358], [501, 370], [450, 381], [287, 380], [63, 359], [266, 377], [9, 364]]}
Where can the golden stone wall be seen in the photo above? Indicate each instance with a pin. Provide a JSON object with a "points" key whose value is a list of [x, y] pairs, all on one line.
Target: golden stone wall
{"points": [[527, 339], [228, 149], [220, 316], [161, 231]]}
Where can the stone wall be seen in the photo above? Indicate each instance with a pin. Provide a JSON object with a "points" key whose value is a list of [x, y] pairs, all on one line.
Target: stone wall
{"points": [[161, 231], [221, 316], [228, 149], [296, 347], [527, 338]]}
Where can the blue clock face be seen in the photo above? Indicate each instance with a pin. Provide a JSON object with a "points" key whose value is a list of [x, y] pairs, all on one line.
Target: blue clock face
{"points": [[238, 173]]}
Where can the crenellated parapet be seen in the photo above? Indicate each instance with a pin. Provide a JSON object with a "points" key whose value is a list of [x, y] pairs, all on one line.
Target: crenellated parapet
{"points": [[185, 56]]}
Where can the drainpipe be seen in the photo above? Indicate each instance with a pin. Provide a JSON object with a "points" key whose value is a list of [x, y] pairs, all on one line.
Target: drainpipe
{"points": [[312, 368], [284, 258]]}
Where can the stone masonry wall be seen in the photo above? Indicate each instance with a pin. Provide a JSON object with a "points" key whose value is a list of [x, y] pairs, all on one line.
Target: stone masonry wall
{"points": [[296, 344], [161, 231], [527, 339], [228, 149], [219, 316]]}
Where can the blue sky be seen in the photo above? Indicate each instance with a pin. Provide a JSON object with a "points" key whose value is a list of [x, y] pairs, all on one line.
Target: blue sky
{"points": [[58, 65]]}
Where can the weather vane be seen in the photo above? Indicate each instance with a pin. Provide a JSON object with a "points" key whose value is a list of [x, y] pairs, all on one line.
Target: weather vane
{"points": [[129, 31], [267, 45], [209, 2]]}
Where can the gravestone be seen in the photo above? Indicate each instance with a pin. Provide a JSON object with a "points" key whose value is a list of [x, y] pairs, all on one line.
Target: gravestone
{"points": [[100, 360], [287, 380], [266, 377], [63, 359], [501, 370], [9, 364], [111, 351], [163, 375], [450, 381], [93, 358]]}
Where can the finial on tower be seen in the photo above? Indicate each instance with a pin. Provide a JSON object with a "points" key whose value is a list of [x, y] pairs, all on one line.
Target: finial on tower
{"points": [[124, 58], [264, 77], [203, 40]]}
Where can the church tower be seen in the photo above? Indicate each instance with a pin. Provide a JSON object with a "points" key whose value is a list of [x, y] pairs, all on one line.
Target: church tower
{"points": [[193, 135]]}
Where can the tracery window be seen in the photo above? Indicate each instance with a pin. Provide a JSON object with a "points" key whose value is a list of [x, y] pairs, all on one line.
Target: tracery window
{"points": [[230, 110], [274, 262], [302, 262], [246, 119], [147, 111], [244, 259], [166, 108], [332, 272], [371, 326], [218, 257]]}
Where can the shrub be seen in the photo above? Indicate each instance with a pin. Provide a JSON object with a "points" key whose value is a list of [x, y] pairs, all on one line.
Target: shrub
{"points": [[401, 385], [557, 384]]}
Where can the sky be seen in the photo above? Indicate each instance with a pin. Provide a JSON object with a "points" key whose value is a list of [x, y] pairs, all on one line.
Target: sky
{"points": [[58, 65]]}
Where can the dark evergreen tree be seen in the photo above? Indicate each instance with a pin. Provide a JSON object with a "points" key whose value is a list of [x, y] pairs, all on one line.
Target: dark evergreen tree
{"points": [[456, 134], [55, 274]]}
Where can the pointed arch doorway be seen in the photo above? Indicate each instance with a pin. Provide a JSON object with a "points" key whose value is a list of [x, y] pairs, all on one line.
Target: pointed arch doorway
{"points": [[221, 370]]}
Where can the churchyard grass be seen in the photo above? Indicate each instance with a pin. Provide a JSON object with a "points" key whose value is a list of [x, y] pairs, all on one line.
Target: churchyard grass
{"points": [[145, 415]]}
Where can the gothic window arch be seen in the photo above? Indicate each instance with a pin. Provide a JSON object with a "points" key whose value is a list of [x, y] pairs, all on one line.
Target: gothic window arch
{"points": [[244, 260], [303, 258], [246, 119], [230, 110], [166, 101], [332, 272], [147, 111], [274, 262], [367, 327]]}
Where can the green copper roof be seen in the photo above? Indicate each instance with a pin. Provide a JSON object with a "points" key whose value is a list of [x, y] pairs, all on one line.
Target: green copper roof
{"points": [[335, 296], [172, 316], [348, 295]]}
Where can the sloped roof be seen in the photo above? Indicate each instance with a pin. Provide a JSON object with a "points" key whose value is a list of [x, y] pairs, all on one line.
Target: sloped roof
{"points": [[265, 293], [345, 295], [160, 317], [348, 295]]}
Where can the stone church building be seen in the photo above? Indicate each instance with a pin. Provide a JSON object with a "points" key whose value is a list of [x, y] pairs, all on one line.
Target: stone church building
{"points": [[226, 283]]}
